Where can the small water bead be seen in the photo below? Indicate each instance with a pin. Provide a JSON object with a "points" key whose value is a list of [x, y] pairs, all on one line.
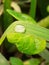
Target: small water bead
{"points": [[20, 28]]}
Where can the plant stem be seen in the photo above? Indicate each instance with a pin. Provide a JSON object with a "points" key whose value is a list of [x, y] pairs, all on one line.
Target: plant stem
{"points": [[33, 8], [7, 17]]}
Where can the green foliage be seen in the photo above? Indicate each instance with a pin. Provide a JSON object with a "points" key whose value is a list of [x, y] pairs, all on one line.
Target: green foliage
{"points": [[15, 61], [35, 29], [33, 39], [7, 19], [32, 62], [48, 8], [27, 43], [44, 22], [33, 8], [45, 55], [20, 16], [32, 34], [47, 45], [3, 61]]}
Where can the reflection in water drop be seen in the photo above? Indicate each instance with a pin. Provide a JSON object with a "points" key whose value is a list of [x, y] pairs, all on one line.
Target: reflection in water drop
{"points": [[20, 28]]}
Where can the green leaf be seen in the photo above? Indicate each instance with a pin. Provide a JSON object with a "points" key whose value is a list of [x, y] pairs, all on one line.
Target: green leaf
{"points": [[3, 61], [33, 33], [27, 43], [9, 29], [48, 8], [28, 32], [33, 8], [44, 22], [32, 62], [7, 18], [20, 16], [45, 55], [35, 29], [15, 61], [32, 29], [47, 45]]}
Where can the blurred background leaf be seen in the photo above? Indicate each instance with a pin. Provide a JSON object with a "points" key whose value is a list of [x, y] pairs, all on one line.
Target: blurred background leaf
{"points": [[32, 62], [3, 61], [43, 4], [15, 61], [45, 55]]}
